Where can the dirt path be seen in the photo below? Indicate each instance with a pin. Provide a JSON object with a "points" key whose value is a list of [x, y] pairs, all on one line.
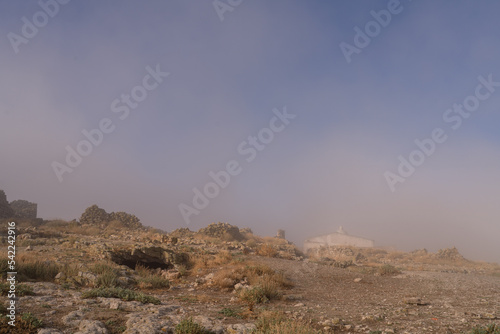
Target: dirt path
{"points": [[453, 302]]}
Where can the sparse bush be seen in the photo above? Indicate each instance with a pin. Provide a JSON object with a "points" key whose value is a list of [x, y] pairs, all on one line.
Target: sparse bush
{"points": [[154, 282], [123, 294], [223, 257], [31, 321], [149, 279], [388, 270], [490, 329], [41, 271], [251, 243], [276, 323], [142, 270], [229, 312], [267, 250], [102, 268], [107, 280], [189, 326], [227, 278], [27, 323], [107, 275], [69, 270], [262, 293], [270, 288], [206, 261], [255, 275], [183, 270], [21, 290]]}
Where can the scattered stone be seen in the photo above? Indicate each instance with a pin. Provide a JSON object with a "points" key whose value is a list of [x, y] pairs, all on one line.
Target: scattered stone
{"points": [[73, 318], [92, 327], [49, 331], [415, 301]]}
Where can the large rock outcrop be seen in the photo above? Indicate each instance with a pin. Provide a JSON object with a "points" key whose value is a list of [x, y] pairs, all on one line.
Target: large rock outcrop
{"points": [[151, 257]]}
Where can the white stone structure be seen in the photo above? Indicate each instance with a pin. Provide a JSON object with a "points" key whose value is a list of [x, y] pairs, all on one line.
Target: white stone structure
{"points": [[339, 238]]}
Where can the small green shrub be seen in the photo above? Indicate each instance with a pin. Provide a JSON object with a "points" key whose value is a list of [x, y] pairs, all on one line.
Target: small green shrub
{"points": [[107, 280], [154, 282], [102, 268], [255, 295], [188, 326], [229, 312], [123, 294], [41, 271], [21, 290], [31, 321]]}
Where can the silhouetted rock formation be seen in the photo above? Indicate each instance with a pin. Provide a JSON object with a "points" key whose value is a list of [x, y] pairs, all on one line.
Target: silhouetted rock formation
{"points": [[5, 209], [24, 209], [95, 215]]}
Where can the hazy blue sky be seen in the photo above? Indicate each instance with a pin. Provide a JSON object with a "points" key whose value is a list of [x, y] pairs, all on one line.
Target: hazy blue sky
{"points": [[324, 169]]}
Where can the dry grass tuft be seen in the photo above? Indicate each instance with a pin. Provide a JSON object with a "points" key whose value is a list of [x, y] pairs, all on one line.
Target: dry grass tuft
{"points": [[276, 323], [267, 250], [150, 279]]}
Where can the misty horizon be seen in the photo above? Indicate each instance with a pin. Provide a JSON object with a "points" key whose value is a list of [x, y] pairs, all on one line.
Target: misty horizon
{"points": [[375, 116]]}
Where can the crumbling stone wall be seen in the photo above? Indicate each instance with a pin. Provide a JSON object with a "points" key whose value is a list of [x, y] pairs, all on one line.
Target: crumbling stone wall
{"points": [[222, 230], [5, 209], [95, 215], [24, 209]]}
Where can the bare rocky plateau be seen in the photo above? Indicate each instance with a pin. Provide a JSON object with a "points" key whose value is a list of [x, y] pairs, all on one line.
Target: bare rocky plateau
{"points": [[332, 290]]}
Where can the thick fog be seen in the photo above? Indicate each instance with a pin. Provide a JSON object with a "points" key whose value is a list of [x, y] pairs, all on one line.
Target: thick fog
{"points": [[314, 124]]}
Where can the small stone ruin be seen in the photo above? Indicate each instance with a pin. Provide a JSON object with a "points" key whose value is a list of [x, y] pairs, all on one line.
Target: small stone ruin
{"points": [[17, 209], [24, 209], [280, 234]]}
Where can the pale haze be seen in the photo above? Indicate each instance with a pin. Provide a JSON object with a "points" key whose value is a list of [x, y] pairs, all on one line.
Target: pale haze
{"points": [[353, 116]]}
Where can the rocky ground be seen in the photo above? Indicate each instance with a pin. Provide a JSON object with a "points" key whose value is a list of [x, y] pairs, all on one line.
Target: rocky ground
{"points": [[229, 281]]}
